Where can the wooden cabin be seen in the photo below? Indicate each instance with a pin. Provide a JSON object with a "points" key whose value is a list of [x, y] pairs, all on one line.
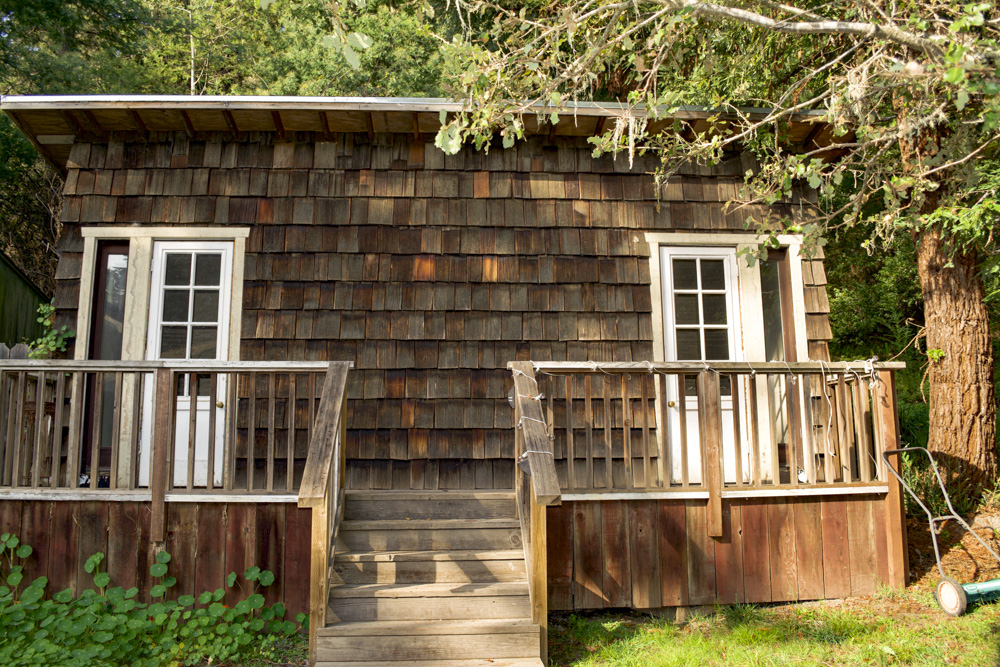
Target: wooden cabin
{"points": [[437, 395]]}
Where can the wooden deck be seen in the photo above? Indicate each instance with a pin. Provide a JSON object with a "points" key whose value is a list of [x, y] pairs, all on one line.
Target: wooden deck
{"points": [[607, 511]]}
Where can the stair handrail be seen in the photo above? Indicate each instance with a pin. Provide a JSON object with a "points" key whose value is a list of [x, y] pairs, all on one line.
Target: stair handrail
{"points": [[536, 487], [322, 490]]}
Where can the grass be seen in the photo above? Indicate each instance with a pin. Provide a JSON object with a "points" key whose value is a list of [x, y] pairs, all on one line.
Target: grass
{"points": [[891, 628]]}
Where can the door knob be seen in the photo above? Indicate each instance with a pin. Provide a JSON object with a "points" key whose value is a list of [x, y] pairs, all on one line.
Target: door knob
{"points": [[670, 404], [220, 404]]}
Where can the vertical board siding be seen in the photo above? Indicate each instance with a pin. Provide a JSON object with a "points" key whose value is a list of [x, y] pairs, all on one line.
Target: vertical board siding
{"points": [[18, 305], [657, 553], [429, 272], [206, 542]]}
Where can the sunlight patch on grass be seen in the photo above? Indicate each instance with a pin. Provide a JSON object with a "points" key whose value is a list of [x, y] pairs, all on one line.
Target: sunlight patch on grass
{"points": [[901, 628]]}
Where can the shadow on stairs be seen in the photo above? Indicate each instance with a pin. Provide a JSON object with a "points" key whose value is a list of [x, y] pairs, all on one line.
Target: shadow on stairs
{"points": [[431, 578]]}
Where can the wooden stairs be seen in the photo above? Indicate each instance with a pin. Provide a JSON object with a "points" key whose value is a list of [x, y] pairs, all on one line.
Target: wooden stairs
{"points": [[429, 578]]}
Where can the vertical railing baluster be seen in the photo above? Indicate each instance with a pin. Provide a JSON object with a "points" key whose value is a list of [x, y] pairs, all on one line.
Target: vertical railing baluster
{"points": [[229, 444], [57, 426], [116, 430], [74, 449], [608, 453], [270, 431], [192, 427], [682, 423], [793, 403], [647, 468], [213, 396], [753, 419], [14, 432], [861, 430], [252, 432], [588, 418], [735, 384], [627, 433], [808, 439], [95, 434], [36, 463], [570, 443], [135, 435], [662, 436], [290, 449]]}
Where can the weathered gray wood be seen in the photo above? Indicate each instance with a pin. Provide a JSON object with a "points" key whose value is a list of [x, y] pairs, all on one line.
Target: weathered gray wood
{"points": [[322, 444], [36, 458], [447, 607], [444, 508], [690, 367], [162, 438], [213, 393], [487, 626], [461, 536], [57, 427], [192, 427], [537, 445], [468, 570], [116, 431], [432, 647]]}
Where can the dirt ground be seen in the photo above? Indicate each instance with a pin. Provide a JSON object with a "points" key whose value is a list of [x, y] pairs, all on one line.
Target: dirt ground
{"points": [[962, 556]]}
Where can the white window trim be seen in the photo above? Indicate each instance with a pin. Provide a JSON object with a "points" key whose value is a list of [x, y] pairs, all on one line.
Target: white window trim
{"points": [[138, 280], [747, 293]]}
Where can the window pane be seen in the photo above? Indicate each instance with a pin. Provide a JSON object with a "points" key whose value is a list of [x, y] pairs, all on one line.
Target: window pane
{"points": [[175, 305], [770, 297], [688, 344], [207, 270], [178, 269], [685, 274], [715, 308], [686, 308], [206, 306], [713, 274], [114, 307], [204, 384], [173, 343], [203, 342], [717, 344]]}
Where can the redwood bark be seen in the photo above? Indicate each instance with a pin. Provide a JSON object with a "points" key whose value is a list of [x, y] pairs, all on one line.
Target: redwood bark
{"points": [[962, 405]]}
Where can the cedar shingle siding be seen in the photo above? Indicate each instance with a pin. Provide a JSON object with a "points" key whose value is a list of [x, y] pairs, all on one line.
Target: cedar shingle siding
{"points": [[429, 272]]}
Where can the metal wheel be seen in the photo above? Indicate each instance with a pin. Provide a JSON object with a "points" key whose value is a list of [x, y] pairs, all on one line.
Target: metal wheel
{"points": [[950, 597]]}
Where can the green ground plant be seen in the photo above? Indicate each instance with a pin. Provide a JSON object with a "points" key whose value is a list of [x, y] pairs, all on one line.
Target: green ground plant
{"points": [[110, 626]]}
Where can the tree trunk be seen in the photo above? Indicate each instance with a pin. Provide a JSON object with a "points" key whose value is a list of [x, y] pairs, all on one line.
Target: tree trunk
{"points": [[962, 406]]}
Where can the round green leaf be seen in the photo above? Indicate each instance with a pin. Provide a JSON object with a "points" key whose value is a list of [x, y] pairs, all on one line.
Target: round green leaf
{"points": [[185, 600], [102, 579], [158, 591], [256, 601], [24, 551], [231, 579], [163, 557], [14, 579], [252, 573], [102, 637], [288, 628], [242, 607], [279, 610], [216, 609], [170, 581], [266, 578], [158, 570]]}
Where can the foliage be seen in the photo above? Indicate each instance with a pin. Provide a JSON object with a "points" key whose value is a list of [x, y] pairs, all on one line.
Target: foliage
{"points": [[110, 626], [55, 339], [919, 475]]}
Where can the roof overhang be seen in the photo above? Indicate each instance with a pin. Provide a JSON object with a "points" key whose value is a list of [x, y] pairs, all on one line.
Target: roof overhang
{"points": [[55, 122]]}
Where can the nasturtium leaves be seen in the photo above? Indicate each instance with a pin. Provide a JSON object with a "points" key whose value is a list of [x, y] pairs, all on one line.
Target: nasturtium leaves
{"points": [[158, 569], [163, 557], [231, 579], [252, 573]]}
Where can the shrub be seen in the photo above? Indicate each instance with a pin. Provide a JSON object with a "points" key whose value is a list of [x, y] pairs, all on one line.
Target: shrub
{"points": [[110, 626]]}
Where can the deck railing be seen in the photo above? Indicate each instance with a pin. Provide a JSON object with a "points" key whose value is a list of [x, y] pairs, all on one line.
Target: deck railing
{"points": [[721, 429], [124, 426]]}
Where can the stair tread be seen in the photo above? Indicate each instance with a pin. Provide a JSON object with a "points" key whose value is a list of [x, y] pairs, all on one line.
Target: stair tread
{"points": [[484, 662], [429, 495], [429, 555], [491, 589], [486, 626], [428, 524]]}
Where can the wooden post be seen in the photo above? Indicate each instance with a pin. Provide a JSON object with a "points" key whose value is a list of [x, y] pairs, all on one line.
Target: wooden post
{"points": [[895, 510], [710, 429], [539, 574], [318, 575], [162, 417]]}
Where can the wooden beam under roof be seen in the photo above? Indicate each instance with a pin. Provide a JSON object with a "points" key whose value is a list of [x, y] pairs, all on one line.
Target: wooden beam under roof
{"points": [[279, 127], [187, 122], [230, 120], [138, 120]]}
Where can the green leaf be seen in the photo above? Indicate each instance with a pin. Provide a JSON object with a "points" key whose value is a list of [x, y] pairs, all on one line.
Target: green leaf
{"points": [[24, 551], [332, 42], [102, 579], [256, 601], [264, 4], [158, 591], [279, 610], [158, 569], [163, 557], [102, 637], [352, 58], [14, 579], [205, 597], [252, 573], [185, 600], [288, 628], [954, 75], [218, 594], [266, 578], [216, 609], [231, 579], [359, 41], [961, 99]]}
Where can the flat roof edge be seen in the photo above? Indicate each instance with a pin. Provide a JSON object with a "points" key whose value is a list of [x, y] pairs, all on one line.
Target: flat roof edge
{"points": [[368, 104]]}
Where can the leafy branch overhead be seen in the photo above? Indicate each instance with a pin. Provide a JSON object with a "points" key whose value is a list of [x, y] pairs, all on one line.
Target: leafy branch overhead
{"points": [[342, 39]]}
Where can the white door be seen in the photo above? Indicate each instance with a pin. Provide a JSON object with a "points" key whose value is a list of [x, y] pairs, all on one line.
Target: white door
{"points": [[189, 303], [701, 322]]}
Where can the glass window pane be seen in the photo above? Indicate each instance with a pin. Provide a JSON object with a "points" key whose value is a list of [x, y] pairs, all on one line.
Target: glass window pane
{"points": [[713, 274], [688, 344], [114, 307], [690, 385], [173, 342], [175, 305], [204, 384], [206, 306], [203, 342], [770, 297], [207, 270], [715, 308], [686, 309], [178, 270], [685, 274], [717, 344]]}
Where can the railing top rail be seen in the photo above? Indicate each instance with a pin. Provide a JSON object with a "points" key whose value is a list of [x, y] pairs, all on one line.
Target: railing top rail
{"points": [[94, 366], [622, 367]]}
